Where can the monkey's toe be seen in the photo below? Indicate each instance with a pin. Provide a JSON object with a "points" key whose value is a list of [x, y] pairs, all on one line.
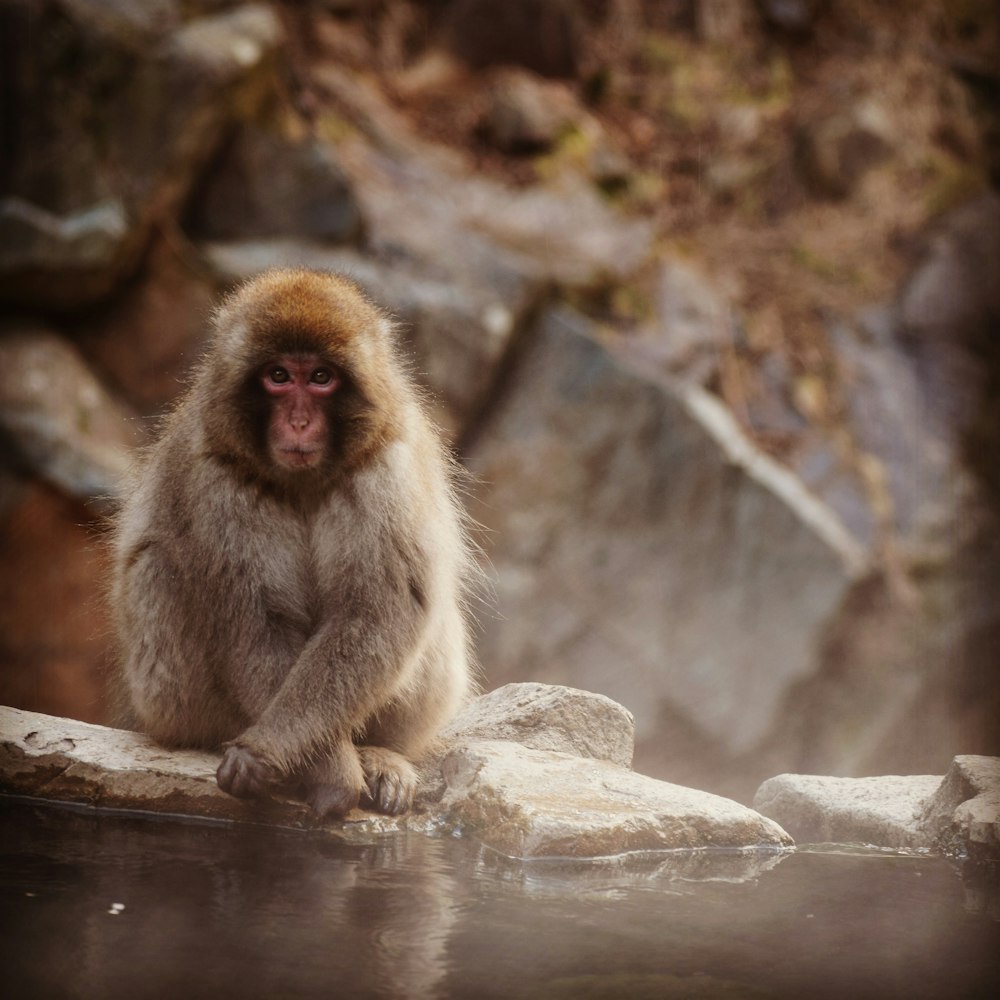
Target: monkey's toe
{"points": [[243, 774], [390, 780]]}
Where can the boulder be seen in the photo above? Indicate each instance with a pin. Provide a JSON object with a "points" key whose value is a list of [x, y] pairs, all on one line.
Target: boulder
{"points": [[426, 204], [53, 622], [549, 717], [267, 183], [881, 812], [532, 803], [645, 549], [59, 421], [146, 340], [115, 110], [963, 815]]}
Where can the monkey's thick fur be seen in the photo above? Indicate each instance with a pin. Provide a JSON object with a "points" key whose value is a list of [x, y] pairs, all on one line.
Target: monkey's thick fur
{"points": [[309, 621]]}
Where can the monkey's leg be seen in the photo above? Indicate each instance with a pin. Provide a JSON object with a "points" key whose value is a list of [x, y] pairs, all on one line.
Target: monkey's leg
{"points": [[333, 786], [390, 779]]}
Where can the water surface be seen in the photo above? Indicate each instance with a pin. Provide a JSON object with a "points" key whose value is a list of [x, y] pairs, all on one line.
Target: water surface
{"points": [[103, 906]]}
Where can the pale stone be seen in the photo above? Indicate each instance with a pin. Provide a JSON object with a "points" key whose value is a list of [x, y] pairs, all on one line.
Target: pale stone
{"points": [[64, 424], [964, 813], [882, 811], [532, 803], [549, 717]]}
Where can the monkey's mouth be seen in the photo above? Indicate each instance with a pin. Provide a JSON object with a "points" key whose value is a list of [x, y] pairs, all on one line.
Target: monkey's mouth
{"points": [[300, 458]]}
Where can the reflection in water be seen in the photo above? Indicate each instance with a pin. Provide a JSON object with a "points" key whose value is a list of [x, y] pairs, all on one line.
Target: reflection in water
{"points": [[236, 911]]}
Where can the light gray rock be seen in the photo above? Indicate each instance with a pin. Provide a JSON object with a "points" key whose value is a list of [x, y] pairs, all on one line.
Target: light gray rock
{"points": [[70, 761], [549, 717], [963, 815], [882, 811], [532, 803], [62, 423], [645, 549], [692, 321]]}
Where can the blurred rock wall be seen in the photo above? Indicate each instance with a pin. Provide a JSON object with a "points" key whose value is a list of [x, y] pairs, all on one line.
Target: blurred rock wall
{"points": [[756, 613]]}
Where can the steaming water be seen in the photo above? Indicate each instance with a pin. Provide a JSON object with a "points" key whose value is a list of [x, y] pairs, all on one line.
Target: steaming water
{"points": [[102, 906]]}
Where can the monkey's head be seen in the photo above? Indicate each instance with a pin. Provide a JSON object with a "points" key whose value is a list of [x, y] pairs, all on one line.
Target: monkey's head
{"points": [[300, 382]]}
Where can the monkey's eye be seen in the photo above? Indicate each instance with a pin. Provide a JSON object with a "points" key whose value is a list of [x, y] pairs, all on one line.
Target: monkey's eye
{"points": [[279, 375], [321, 376]]}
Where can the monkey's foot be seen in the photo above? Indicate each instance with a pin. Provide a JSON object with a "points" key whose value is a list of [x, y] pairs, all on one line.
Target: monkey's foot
{"points": [[244, 775], [333, 786], [390, 779]]}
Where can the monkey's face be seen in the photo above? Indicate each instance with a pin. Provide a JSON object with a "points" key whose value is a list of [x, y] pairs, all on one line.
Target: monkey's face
{"points": [[299, 390]]}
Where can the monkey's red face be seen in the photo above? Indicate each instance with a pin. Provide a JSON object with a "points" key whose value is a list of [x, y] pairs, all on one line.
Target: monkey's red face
{"points": [[299, 389]]}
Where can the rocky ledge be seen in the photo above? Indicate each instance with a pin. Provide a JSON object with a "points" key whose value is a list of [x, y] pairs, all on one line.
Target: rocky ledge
{"points": [[530, 770]]}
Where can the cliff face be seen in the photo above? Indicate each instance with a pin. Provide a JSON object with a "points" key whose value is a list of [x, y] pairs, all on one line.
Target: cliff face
{"points": [[706, 298]]}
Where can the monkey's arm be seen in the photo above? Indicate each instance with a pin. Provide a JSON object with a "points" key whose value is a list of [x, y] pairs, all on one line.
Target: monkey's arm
{"points": [[355, 663]]}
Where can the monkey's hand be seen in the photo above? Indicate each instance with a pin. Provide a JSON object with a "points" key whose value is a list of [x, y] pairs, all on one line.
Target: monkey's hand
{"points": [[245, 775]]}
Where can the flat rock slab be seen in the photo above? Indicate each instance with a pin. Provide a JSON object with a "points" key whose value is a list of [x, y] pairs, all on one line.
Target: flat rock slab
{"points": [[884, 811], [523, 802], [69, 761], [529, 803]]}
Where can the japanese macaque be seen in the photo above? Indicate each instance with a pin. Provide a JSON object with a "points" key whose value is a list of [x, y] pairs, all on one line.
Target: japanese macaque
{"points": [[290, 559]]}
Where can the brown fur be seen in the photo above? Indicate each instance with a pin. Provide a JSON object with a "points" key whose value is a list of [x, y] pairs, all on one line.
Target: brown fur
{"points": [[296, 616]]}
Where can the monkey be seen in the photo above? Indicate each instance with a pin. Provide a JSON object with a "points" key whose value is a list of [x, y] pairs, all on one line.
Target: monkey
{"points": [[291, 563]]}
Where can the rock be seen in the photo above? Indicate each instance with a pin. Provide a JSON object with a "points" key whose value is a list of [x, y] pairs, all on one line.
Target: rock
{"points": [[963, 815], [114, 112], [62, 423], [911, 659], [532, 803], [268, 184], [428, 206], [527, 115], [147, 339], [542, 35], [53, 622], [521, 802], [882, 812], [951, 296], [643, 548], [837, 149], [72, 761], [34, 239], [692, 323], [549, 717]]}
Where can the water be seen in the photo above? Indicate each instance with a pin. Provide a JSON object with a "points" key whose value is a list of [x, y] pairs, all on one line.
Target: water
{"points": [[102, 906]]}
